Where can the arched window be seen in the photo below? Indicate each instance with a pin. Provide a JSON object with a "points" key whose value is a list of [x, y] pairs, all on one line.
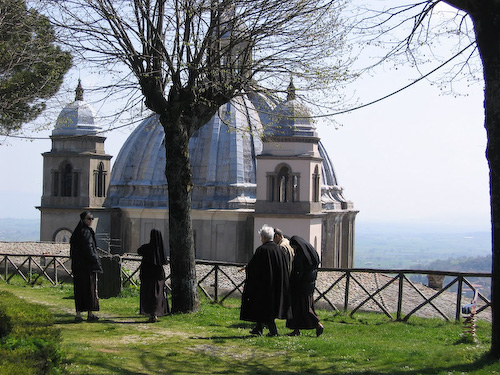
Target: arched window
{"points": [[283, 185], [67, 180], [316, 185], [284, 189], [100, 181]]}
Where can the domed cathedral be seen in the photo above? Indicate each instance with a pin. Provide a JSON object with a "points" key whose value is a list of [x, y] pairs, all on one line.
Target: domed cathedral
{"points": [[75, 174], [255, 162]]}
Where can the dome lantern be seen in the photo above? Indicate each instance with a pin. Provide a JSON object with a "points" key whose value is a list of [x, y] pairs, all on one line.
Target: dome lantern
{"points": [[77, 118], [79, 92], [291, 118]]}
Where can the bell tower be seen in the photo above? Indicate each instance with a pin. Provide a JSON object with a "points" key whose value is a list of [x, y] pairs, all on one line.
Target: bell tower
{"points": [[289, 174], [75, 172]]}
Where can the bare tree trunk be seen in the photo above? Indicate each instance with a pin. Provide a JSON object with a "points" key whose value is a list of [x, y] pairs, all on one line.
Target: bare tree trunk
{"points": [[487, 28], [182, 256]]}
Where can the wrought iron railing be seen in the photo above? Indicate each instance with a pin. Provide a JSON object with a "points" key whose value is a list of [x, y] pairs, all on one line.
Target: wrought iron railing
{"points": [[31, 268], [391, 292]]}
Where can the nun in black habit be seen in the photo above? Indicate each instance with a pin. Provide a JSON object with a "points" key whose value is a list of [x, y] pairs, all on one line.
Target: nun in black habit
{"points": [[302, 283], [153, 297]]}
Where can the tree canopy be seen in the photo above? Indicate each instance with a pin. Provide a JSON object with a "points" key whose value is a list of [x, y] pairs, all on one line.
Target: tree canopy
{"points": [[32, 66]]}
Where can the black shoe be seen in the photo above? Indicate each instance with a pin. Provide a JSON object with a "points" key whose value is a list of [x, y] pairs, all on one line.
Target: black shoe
{"points": [[78, 319], [319, 329], [92, 318]]}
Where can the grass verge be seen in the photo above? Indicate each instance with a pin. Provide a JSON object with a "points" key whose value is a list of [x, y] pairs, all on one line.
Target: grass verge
{"points": [[30, 341], [215, 341]]}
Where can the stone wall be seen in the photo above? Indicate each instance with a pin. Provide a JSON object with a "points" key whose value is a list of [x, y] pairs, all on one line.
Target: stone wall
{"points": [[34, 248]]}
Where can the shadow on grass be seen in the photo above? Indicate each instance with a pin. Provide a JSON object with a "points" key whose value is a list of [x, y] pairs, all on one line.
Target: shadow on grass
{"points": [[173, 362], [100, 321], [484, 361], [223, 338], [62, 319]]}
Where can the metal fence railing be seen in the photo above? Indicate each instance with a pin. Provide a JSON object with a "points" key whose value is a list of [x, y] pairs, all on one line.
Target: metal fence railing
{"points": [[391, 292]]}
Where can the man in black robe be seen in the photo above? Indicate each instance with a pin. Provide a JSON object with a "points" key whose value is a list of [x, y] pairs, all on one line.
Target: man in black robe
{"points": [[85, 265], [265, 295]]}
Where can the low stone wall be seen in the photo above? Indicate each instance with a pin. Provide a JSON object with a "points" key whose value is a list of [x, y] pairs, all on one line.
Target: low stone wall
{"points": [[34, 248]]}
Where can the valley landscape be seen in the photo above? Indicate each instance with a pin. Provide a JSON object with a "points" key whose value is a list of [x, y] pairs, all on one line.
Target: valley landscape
{"points": [[378, 246]]}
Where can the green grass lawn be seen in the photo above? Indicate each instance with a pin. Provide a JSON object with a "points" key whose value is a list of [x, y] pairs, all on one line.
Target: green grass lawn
{"points": [[215, 341]]}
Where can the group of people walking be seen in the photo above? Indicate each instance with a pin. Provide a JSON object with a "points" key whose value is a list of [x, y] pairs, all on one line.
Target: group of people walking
{"points": [[280, 282], [280, 279]]}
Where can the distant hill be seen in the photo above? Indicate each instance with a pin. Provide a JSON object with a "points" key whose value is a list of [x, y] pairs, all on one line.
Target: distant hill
{"points": [[18, 230], [464, 264], [377, 245], [399, 247]]}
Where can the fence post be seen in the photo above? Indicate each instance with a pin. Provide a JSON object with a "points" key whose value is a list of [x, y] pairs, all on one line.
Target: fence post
{"points": [[459, 297], [400, 296], [55, 270], [346, 295], [30, 269], [216, 281]]}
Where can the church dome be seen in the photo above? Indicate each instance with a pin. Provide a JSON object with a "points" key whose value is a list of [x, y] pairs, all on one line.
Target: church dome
{"points": [[77, 118], [291, 118], [222, 155]]}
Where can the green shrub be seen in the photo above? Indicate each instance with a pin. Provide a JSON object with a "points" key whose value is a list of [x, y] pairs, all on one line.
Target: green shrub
{"points": [[32, 343], [129, 291]]}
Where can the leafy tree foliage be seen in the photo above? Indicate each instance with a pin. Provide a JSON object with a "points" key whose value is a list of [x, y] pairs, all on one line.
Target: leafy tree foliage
{"points": [[32, 66]]}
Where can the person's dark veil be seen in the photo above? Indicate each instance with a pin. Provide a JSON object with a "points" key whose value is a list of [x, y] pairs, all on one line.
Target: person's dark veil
{"points": [[309, 251], [159, 252]]}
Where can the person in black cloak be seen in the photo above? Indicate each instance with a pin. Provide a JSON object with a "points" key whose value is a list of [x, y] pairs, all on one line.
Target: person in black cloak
{"points": [[153, 296], [85, 265], [302, 283], [265, 294]]}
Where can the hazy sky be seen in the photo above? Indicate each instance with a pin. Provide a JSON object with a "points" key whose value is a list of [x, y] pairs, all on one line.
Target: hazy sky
{"points": [[415, 158]]}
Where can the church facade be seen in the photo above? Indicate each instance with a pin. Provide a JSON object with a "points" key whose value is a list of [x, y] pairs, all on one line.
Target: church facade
{"points": [[257, 161]]}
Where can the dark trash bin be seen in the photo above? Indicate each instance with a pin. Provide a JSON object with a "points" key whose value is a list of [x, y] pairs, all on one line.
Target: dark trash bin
{"points": [[110, 281]]}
